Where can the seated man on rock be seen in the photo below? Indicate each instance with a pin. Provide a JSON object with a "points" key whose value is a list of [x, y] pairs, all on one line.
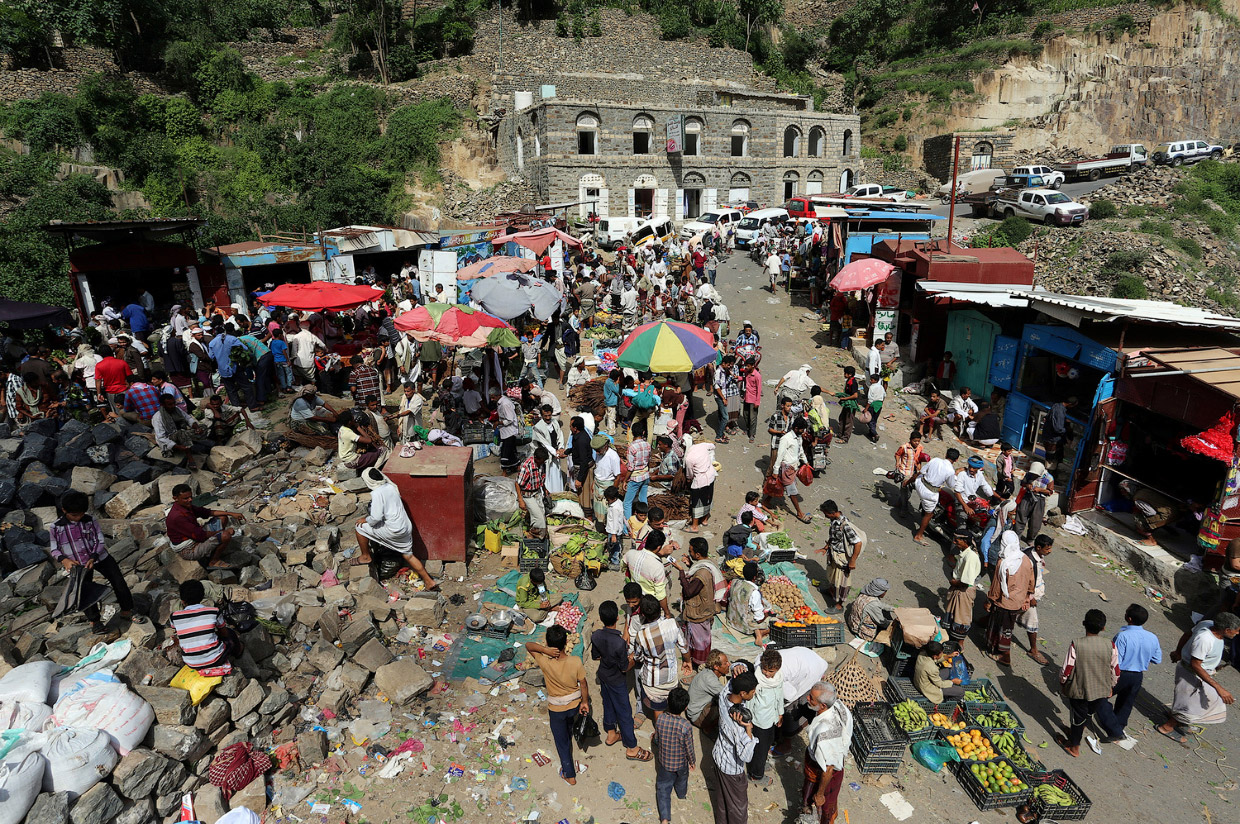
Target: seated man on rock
{"points": [[189, 538], [206, 642]]}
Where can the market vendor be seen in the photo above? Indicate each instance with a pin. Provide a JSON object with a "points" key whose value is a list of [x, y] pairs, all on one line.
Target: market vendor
{"points": [[309, 415], [534, 597], [869, 614], [1152, 510], [746, 606], [928, 678]]}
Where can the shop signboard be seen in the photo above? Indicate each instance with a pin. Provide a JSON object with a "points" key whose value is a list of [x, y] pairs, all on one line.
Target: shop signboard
{"points": [[884, 322], [888, 296], [676, 134]]}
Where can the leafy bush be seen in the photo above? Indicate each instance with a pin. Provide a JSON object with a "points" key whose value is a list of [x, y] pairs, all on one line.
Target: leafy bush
{"points": [[1130, 287], [1014, 230], [884, 119], [45, 123], [1189, 246], [1136, 210], [1122, 262], [1043, 30], [900, 144], [674, 23], [402, 63], [1102, 209], [1157, 227], [415, 131]]}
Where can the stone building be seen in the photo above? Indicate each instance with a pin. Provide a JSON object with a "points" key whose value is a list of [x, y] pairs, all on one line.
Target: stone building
{"points": [[978, 150], [737, 145]]}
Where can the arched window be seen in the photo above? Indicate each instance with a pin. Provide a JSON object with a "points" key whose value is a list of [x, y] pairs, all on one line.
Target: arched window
{"points": [[983, 155], [693, 137], [817, 137], [813, 183], [740, 139], [642, 127], [792, 142], [847, 151], [587, 134], [846, 180], [739, 190], [790, 184]]}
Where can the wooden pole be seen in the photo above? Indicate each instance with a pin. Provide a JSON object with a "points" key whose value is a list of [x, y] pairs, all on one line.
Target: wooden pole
{"points": [[951, 209]]}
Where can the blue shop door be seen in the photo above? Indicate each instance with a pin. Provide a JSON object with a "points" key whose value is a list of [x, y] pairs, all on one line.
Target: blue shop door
{"points": [[1015, 419], [1099, 412], [1003, 362]]}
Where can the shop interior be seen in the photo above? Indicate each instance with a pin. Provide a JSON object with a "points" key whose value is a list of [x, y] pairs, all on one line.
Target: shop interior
{"points": [[1050, 379]]}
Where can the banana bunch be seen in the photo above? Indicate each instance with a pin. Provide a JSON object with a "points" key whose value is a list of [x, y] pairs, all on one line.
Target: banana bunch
{"points": [[998, 719], [1007, 744], [910, 716], [979, 696], [1053, 796]]}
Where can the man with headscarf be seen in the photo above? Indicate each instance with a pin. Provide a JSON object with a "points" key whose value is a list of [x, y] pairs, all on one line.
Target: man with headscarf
{"points": [[309, 415], [606, 471], [830, 734], [409, 412], [509, 423], [869, 614], [178, 320], [796, 384], [549, 434], [1011, 590], [85, 362], [387, 525], [174, 430]]}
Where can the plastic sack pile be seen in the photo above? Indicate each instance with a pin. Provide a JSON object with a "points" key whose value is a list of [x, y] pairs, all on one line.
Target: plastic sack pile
{"points": [[64, 730]]}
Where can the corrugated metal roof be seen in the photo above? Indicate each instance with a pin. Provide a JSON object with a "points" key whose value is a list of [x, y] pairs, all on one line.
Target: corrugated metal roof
{"points": [[1213, 366], [985, 294], [1110, 309]]}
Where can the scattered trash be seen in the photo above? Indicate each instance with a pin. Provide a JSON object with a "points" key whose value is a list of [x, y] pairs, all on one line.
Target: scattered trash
{"points": [[896, 804], [615, 791]]}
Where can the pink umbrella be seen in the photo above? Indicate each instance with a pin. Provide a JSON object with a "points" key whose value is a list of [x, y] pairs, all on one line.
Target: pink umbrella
{"points": [[494, 266], [861, 274]]}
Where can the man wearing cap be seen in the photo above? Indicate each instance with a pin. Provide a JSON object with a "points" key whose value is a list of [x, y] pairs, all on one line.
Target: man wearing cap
{"points": [[606, 470], [506, 410], [972, 480]]}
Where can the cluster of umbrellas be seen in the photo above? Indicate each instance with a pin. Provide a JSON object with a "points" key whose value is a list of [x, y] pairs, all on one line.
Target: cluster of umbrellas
{"points": [[456, 325]]}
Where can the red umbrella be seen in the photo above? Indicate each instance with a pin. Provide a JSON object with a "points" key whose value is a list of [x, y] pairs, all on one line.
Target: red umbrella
{"points": [[861, 274], [494, 266], [320, 296], [453, 324]]}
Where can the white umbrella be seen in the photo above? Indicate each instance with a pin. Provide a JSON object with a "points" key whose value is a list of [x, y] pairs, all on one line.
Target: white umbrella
{"points": [[511, 294]]}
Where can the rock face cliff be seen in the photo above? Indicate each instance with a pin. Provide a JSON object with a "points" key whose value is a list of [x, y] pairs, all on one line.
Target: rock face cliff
{"points": [[1177, 77]]}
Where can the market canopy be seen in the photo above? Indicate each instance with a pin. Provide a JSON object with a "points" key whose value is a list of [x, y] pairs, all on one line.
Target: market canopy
{"points": [[320, 296], [667, 346], [862, 274], [512, 294], [494, 266], [21, 315], [538, 240], [457, 325]]}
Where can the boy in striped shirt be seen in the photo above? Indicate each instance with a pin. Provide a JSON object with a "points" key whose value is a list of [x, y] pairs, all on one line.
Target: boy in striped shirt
{"points": [[205, 641]]}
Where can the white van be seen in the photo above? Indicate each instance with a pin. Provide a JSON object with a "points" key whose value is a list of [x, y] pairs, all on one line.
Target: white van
{"points": [[967, 183], [655, 230], [753, 222], [610, 232], [705, 222]]}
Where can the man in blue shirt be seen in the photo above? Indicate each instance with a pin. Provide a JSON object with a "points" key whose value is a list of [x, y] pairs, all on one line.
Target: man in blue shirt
{"points": [[611, 399], [264, 362], [1138, 648], [135, 316], [233, 375]]}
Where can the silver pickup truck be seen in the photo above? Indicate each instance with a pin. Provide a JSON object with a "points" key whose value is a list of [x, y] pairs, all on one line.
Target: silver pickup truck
{"points": [[1043, 205]]}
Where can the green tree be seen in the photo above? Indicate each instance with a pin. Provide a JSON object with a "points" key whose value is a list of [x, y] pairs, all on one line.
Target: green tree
{"points": [[757, 13]]}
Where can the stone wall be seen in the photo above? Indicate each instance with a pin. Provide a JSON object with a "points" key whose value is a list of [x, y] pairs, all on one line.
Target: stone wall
{"points": [[938, 152], [549, 158], [77, 64]]}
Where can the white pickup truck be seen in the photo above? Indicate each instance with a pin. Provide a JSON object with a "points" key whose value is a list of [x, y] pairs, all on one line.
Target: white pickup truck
{"points": [[1122, 158], [876, 191], [1043, 205]]}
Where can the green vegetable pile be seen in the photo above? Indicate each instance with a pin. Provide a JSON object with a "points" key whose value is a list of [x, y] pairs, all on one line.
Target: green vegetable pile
{"points": [[1007, 744], [779, 540], [980, 695], [1052, 796], [998, 719]]}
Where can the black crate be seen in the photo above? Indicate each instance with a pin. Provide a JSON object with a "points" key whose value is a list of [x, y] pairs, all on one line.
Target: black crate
{"points": [[472, 433], [1074, 812], [984, 799], [893, 694], [1035, 767], [871, 764], [992, 689], [533, 554], [784, 637], [490, 632], [875, 729], [830, 635], [902, 689], [779, 556], [974, 710], [944, 733]]}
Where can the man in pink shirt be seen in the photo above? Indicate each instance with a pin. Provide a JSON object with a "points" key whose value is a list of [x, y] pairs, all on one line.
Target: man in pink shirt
{"points": [[753, 397]]}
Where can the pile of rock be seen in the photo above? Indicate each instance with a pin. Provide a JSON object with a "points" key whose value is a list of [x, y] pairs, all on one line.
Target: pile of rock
{"points": [[331, 633], [1147, 186], [1053, 155], [463, 202]]}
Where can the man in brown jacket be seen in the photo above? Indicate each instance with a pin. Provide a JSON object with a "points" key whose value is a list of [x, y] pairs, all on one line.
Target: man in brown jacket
{"points": [[1090, 672], [698, 577], [1011, 590]]}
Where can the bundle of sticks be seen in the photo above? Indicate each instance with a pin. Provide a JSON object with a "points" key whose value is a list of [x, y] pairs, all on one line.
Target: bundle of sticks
{"points": [[588, 397], [675, 507]]}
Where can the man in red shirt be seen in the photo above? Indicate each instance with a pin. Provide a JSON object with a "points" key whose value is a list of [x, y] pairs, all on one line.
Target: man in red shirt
{"points": [[191, 541], [112, 380]]}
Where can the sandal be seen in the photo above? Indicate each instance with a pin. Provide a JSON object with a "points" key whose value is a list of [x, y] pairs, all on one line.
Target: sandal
{"points": [[642, 755], [1039, 657], [1063, 744], [359, 561], [1175, 735], [804, 519]]}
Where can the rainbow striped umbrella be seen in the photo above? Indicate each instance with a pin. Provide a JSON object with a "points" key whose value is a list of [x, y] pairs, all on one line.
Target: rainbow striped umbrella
{"points": [[667, 346]]}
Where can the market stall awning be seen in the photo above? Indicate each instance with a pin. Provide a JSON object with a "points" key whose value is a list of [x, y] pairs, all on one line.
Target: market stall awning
{"points": [[21, 315], [456, 324], [1213, 366], [494, 266], [984, 294], [538, 240], [513, 293], [320, 296], [1074, 309]]}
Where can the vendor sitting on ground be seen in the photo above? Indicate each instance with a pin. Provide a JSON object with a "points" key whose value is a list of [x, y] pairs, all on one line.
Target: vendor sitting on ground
{"points": [[206, 642], [869, 614], [310, 415], [189, 538], [175, 431], [746, 607], [387, 526], [534, 598], [928, 679], [1153, 510], [357, 446]]}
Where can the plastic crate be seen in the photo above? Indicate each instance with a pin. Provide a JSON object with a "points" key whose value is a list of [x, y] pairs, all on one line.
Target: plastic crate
{"points": [[784, 637], [925, 733], [474, 433], [992, 689], [533, 554], [870, 764], [875, 729], [489, 632], [973, 710], [830, 635], [1074, 812], [984, 799], [780, 556]]}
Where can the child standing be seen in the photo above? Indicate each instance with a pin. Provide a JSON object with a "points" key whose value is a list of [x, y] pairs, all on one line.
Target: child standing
{"points": [[608, 647], [639, 523], [676, 754], [77, 540], [615, 525], [1005, 467]]}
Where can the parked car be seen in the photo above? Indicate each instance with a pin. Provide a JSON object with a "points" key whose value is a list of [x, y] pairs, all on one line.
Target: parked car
{"points": [[1121, 158], [1186, 151], [982, 204], [978, 180], [1050, 177], [753, 222], [1043, 205], [876, 191], [654, 230], [723, 218], [611, 232]]}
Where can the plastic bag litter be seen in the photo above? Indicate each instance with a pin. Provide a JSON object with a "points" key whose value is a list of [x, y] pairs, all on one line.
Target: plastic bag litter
{"points": [[933, 756], [495, 498], [567, 508]]}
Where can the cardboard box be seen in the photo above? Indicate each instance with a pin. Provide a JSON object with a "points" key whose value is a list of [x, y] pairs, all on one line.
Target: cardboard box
{"points": [[508, 556]]}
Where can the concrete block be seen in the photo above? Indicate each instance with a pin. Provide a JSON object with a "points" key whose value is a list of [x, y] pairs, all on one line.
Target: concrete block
{"points": [[402, 680]]}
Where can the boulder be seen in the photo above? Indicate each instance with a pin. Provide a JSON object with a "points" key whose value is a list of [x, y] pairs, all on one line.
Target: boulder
{"points": [[67, 457], [426, 609], [180, 743], [402, 680], [50, 808], [209, 804], [98, 805], [312, 747], [171, 705], [8, 491], [136, 471], [90, 480], [37, 448], [227, 459], [127, 500], [324, 656], [166, 482], [213, 714], [106, 433], [360, 630], [248, 699], [138, 773], [373, 655], [137, 812], [252, 796], [248, 439]]}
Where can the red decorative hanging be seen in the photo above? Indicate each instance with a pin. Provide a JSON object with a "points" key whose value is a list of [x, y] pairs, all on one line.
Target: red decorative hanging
{"points": [[1216, 442]]}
